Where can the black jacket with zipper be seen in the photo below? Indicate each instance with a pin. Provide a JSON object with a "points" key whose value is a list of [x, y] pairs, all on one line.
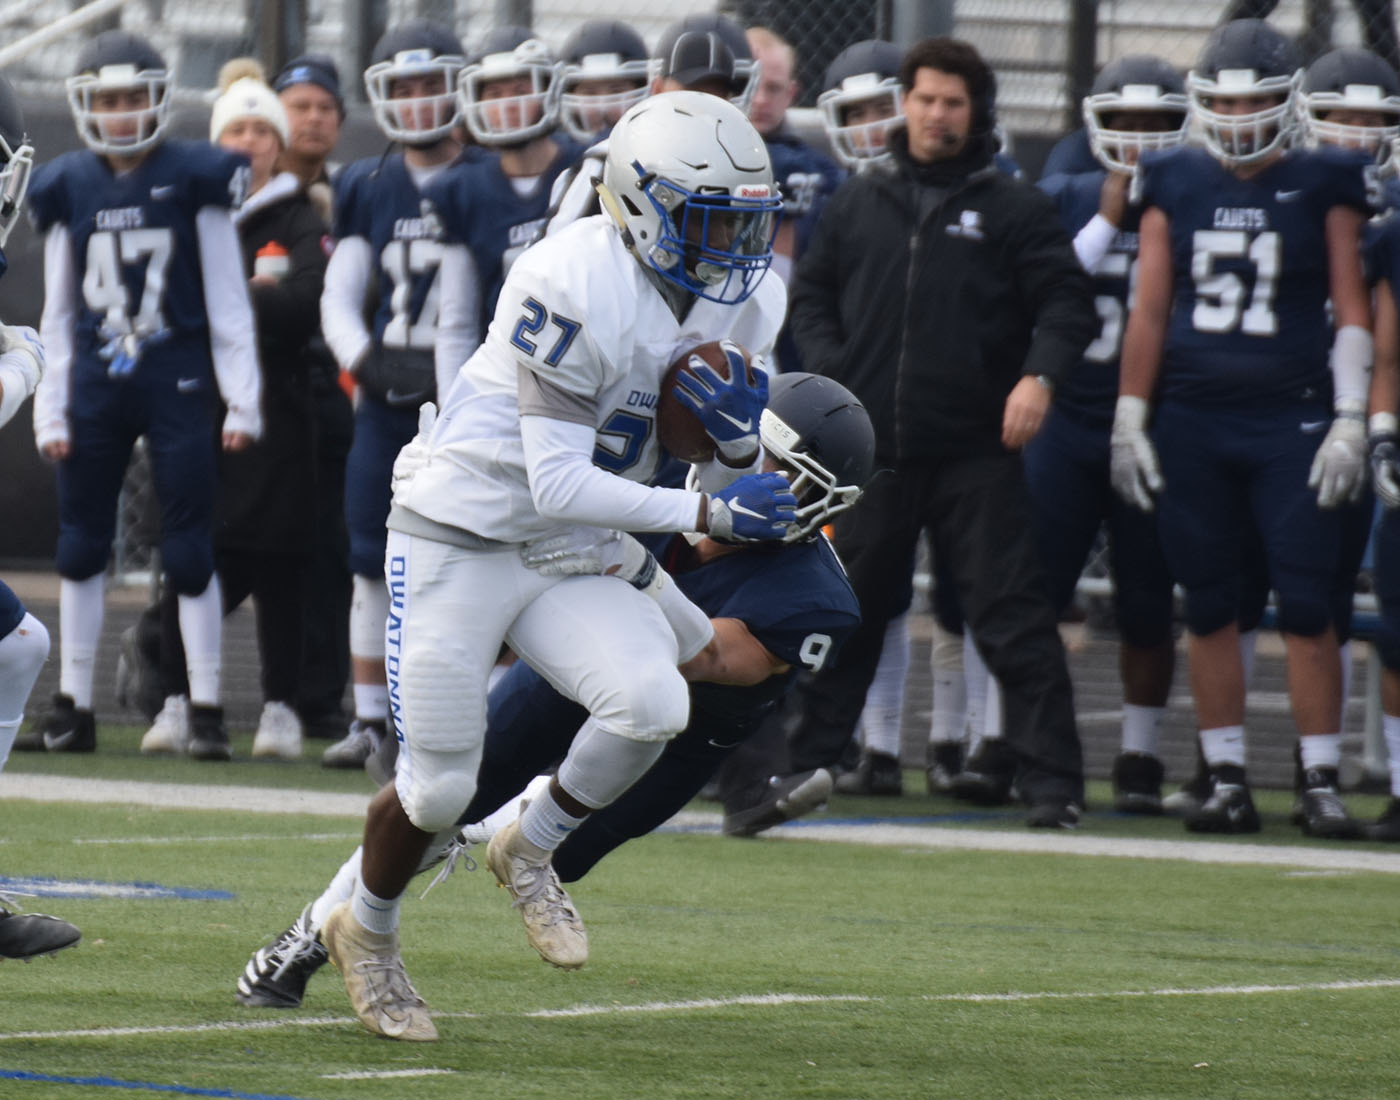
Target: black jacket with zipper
{"points": [[931, 300]]}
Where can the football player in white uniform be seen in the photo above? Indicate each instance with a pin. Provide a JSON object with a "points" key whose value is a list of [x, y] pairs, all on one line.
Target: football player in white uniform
{"points": [[24, 643], [550, 426]]}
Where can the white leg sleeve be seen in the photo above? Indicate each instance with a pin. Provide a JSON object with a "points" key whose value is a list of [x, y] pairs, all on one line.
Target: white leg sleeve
{"points": [[202, 628], [80, 609], [340, 888], [602, 765], [949, 720], [884, 702], [22, 654], [369, 608]]}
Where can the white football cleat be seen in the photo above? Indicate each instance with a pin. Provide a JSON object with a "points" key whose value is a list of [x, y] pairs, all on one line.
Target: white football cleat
{"points": [[383, 997], [279, 733], [171, 730], [552, 924]]}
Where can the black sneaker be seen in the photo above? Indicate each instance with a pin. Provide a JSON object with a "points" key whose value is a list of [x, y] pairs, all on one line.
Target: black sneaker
{"points": [[1324, 813], [1055, 813], [66, 728], [208, 737], [1137, 783], [786, 797], [877, 774], [1193, 792], [1229, 808], [945, 762], [986, 779], [1387, 826], [26, 935], [276, 975]]}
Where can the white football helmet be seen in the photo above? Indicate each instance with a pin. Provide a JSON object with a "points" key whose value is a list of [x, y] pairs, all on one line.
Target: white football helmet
{"points": [[506, 53], [18, 160], [866, 73], [418, 47], [1351, 80], [120, 61], [689, 182], [1141, 85], [602, 50]]}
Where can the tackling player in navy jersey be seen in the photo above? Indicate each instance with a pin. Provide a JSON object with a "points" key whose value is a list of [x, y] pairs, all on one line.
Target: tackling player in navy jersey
{"points": [[146, 312], [1137, 103], [490, 208], [386, 246], [1240, 246], [773, 611], [24, 643]]}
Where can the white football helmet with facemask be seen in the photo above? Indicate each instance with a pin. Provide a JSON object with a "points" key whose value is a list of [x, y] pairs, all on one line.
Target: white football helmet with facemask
{"points": [[690, 184]]}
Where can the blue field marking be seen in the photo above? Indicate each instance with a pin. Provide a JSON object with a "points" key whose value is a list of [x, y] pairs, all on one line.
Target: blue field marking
{"points": [[44, 887], [148, 1086]]}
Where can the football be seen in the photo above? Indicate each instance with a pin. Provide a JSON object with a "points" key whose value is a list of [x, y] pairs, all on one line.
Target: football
{"points": [[679, 429]]}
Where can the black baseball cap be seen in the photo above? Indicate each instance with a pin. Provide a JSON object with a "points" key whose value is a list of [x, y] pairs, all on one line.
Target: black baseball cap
{"points": [[311, 68], [697, 56]]}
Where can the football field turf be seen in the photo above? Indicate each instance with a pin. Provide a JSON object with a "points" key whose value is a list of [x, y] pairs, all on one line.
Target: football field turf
{"points": [[958, 955]]}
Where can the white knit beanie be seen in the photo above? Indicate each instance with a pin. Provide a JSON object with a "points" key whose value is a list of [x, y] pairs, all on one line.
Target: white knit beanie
{"points": [[248, 97]]}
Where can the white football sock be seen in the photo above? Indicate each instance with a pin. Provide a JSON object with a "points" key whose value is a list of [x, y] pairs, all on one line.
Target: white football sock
{"points": [[545, 824], [1390, 724], [371, 702], [1320, 750], [202, 628], [1223, 745], [884, 701], [341, 888], [975, 677], [375, 913], [1344, 651], [1142, 728], [80, 610], [1249, 642], [949, 688]]}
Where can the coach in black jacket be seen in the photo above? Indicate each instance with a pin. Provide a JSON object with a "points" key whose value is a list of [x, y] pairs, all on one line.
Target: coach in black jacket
{"points": [[948, 297]]}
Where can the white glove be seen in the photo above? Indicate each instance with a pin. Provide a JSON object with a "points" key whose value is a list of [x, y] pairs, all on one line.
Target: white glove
{"points": [[1339, 470], [1133, 467], [414, 454], [591, 550], [24, 339]]}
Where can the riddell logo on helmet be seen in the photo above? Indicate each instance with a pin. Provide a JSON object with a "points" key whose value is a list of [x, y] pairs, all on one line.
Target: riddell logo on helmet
{"points": [[752, 191]]}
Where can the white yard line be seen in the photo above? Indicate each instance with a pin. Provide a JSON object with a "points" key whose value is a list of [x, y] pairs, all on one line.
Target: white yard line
{"points": [[759, 1000], [1332, 857]]}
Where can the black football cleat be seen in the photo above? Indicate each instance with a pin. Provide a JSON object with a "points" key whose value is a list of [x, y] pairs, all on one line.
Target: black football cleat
{"points": [[1324, 813], [208, 737], [1054, 813], [877, 773], [66, 728], [986, 778], [1137, 783], [1387, 826], [784, 799], [1229, 808], [276, 975], [945, 761], [28, 935]]}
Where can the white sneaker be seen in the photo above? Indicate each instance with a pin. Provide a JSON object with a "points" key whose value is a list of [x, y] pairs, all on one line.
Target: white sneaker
{"points": [[383, 997], [552, 924], [279, 733], [358, 744], [171, 730]]}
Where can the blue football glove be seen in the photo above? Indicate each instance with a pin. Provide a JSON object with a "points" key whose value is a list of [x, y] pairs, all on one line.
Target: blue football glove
{"points": [[728, 410], [756, 508]]}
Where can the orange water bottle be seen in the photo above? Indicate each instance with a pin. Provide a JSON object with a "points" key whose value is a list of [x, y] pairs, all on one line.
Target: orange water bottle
{"points": [[272, 260]]}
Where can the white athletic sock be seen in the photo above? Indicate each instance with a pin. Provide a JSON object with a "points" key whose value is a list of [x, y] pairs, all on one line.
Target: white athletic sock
{"points": [[949, 688], [22, 654], [375, 913], [1142, 728], [80, 609], [545, 824], [1223, 745], [371, 702], [975, 677], [1320, 750], [994, 726], [1390, 724], [341, 888], [1249, 642], [202, 628], [884, 701]]}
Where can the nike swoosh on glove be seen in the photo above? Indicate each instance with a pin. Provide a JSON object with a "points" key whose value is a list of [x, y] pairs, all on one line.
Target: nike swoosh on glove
{"points": [[728, 409], [755, 508]]}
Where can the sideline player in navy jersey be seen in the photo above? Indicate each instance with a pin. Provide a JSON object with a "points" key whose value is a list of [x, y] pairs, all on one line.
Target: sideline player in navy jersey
{"points": [[773, 610], [490, 208], [606, 70], [24, 643], [860, 102], [387, 251], [146, 308], [1137, 103], [1240, 246], [1385, 467]]}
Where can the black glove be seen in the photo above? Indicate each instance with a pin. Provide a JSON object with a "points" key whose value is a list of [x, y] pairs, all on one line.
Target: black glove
{"points": [[403, 378]]}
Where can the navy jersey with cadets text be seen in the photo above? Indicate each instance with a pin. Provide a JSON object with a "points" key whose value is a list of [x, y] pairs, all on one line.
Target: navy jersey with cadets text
{"points": [[377, 200], [136, 250], [1249, 320], [1092, 389], [806, 179], [476, 204]]}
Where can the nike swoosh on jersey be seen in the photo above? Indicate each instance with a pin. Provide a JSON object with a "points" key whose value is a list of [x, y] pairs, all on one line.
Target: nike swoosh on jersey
{"points": [[1312, 425], [1286, 196], [159, 193], [186, 385], [398, 397]]}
